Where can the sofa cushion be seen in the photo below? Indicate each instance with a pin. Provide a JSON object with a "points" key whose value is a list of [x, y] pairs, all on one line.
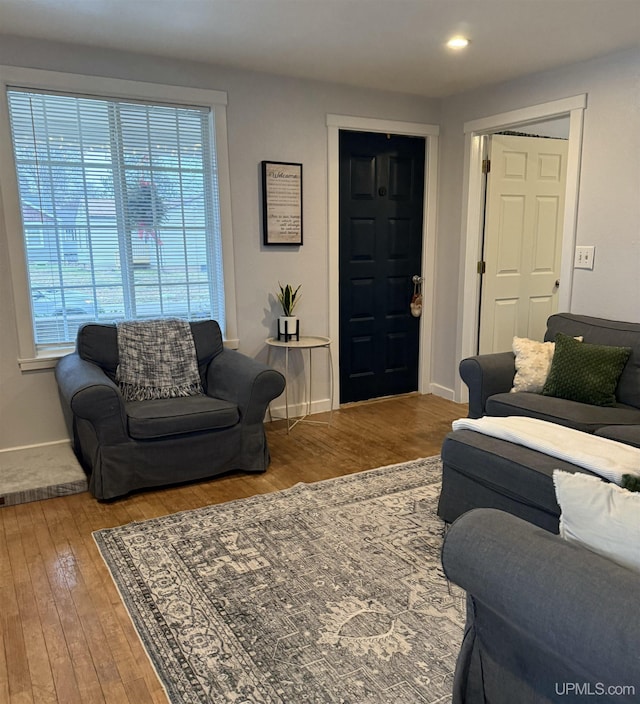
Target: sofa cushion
{"points": [[581, 416], [175, 416], [599, 331], [629, 434], [483, 471], [585, 372]]}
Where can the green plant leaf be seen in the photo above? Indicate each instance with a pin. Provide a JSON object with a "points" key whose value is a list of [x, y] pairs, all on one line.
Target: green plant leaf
{"points": [[288, 298]]}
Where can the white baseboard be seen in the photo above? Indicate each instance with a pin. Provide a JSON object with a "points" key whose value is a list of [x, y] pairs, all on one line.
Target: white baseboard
{"points": [[442, 391], [299, 409], [36, 445]]}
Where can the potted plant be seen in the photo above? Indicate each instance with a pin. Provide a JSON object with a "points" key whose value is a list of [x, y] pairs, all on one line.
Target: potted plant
{"points": [[288, 324]]}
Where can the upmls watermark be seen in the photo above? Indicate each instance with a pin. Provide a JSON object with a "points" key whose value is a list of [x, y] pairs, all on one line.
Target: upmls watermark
{"points": [[594, 689]]}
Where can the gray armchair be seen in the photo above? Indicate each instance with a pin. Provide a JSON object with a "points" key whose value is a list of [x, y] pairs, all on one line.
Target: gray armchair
{"points": [[547, 620], [128, 445]]}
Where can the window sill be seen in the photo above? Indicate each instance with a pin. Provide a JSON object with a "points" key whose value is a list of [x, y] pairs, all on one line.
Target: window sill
{"points": [[48, 359], [45, 359]]}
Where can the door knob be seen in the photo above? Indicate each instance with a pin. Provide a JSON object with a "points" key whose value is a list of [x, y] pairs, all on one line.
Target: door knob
{"points": [[557, 283]]}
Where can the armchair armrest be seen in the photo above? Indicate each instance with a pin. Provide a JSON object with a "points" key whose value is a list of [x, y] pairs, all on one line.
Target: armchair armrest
{"points": [[87, 392], [560, 597], [247, 382], [485, 375]]}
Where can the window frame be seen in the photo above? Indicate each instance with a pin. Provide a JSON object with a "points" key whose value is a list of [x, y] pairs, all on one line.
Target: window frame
{"points": [[29, 357]]}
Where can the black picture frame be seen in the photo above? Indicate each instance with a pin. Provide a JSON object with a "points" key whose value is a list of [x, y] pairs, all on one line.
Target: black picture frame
{"points": [[282, 203]]}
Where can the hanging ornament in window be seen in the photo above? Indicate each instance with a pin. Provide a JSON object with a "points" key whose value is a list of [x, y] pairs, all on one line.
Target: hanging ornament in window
{"points": [[146, 210]]}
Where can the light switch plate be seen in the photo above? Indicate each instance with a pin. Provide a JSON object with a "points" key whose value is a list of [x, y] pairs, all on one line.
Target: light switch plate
{"points": [[584, 257]]}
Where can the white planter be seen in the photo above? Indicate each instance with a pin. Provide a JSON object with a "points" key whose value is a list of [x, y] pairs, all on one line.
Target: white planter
{"points": [[288, 327]]}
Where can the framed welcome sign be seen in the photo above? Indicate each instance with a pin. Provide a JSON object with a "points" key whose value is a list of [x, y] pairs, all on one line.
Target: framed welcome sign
{"points": [[282, 203]]}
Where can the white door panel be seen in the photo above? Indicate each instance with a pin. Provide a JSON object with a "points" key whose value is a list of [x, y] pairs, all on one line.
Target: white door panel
{"points": [[506, 318], [540, 308]]}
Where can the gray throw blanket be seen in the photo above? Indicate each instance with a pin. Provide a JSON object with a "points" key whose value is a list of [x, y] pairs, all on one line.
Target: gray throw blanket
{"points": [[157, 359]]}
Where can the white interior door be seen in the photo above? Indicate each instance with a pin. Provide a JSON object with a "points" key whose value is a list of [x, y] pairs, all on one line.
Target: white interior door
{"points": [[522, 238]]}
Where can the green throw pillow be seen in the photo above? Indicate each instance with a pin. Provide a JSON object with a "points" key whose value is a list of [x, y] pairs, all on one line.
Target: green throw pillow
{"points": [[585, 373]]}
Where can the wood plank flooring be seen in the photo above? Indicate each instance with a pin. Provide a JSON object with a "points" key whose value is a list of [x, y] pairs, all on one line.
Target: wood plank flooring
{"points": [[65, 636]]}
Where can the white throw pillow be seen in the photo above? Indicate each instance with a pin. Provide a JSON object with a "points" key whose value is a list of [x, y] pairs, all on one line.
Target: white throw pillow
{"points": [[603, 517], [533, 361]]}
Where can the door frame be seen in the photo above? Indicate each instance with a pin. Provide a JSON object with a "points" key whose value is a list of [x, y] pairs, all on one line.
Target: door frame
{"points": [[430, 132], [472, 215]]}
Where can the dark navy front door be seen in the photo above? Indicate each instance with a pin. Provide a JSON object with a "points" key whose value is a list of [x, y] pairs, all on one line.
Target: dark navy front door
{"points": [[381, 212]]}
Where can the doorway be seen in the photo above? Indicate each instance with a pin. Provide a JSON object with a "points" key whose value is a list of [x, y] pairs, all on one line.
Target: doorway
{"points": [[472, 217], [522, 235], [381, 190], [335, 124]]}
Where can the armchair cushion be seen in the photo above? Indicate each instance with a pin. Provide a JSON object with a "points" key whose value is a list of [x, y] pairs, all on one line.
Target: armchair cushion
{"points": [[175, 416]]}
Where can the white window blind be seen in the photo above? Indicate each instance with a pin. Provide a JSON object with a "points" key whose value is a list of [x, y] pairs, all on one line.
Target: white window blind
{"points": [[120, 211]]}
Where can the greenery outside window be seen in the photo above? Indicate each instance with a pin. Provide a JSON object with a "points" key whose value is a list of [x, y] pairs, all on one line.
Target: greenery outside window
{"points": [[119, 204]]}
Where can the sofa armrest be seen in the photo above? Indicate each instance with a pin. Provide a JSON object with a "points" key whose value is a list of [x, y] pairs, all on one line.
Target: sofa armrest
{"points": [[561, 597], [250, 384], [486, 375], [87, 392]]}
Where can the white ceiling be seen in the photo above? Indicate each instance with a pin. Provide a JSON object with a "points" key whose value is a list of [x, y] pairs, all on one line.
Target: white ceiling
{"points": [[387, 44]]}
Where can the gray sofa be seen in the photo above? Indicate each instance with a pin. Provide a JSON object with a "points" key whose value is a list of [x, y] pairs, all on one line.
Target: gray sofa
{"points": [[547, 620], [482, 471], [125, 446], [490, 377]]}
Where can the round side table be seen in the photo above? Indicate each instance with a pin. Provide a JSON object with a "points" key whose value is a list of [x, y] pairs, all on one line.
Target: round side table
{"points": [[309, 343]]}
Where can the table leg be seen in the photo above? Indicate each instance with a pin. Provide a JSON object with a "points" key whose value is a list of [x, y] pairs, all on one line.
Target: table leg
{"points": [[310, 382], [286, 386], [330, 384], [269, 364]]}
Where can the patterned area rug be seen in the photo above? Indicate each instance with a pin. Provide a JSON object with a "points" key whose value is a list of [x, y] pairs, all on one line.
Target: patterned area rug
{"points": [[325, 592]]}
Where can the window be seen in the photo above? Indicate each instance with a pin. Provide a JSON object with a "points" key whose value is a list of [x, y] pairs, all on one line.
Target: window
{"points": [[119, 204]]}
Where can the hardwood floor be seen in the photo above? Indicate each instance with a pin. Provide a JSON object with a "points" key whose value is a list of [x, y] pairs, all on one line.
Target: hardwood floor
{"points": [[66, 636]]}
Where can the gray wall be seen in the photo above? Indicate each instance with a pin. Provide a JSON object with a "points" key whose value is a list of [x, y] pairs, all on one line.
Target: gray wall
{"points": [[284, 119], [268, 117]]}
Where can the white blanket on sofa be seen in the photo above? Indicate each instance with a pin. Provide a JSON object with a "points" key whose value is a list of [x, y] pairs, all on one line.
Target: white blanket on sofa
{"points": [[608, 458]]}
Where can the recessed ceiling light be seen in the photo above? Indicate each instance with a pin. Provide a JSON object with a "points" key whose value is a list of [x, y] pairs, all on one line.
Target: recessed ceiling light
{"points": [[458, 43]]}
